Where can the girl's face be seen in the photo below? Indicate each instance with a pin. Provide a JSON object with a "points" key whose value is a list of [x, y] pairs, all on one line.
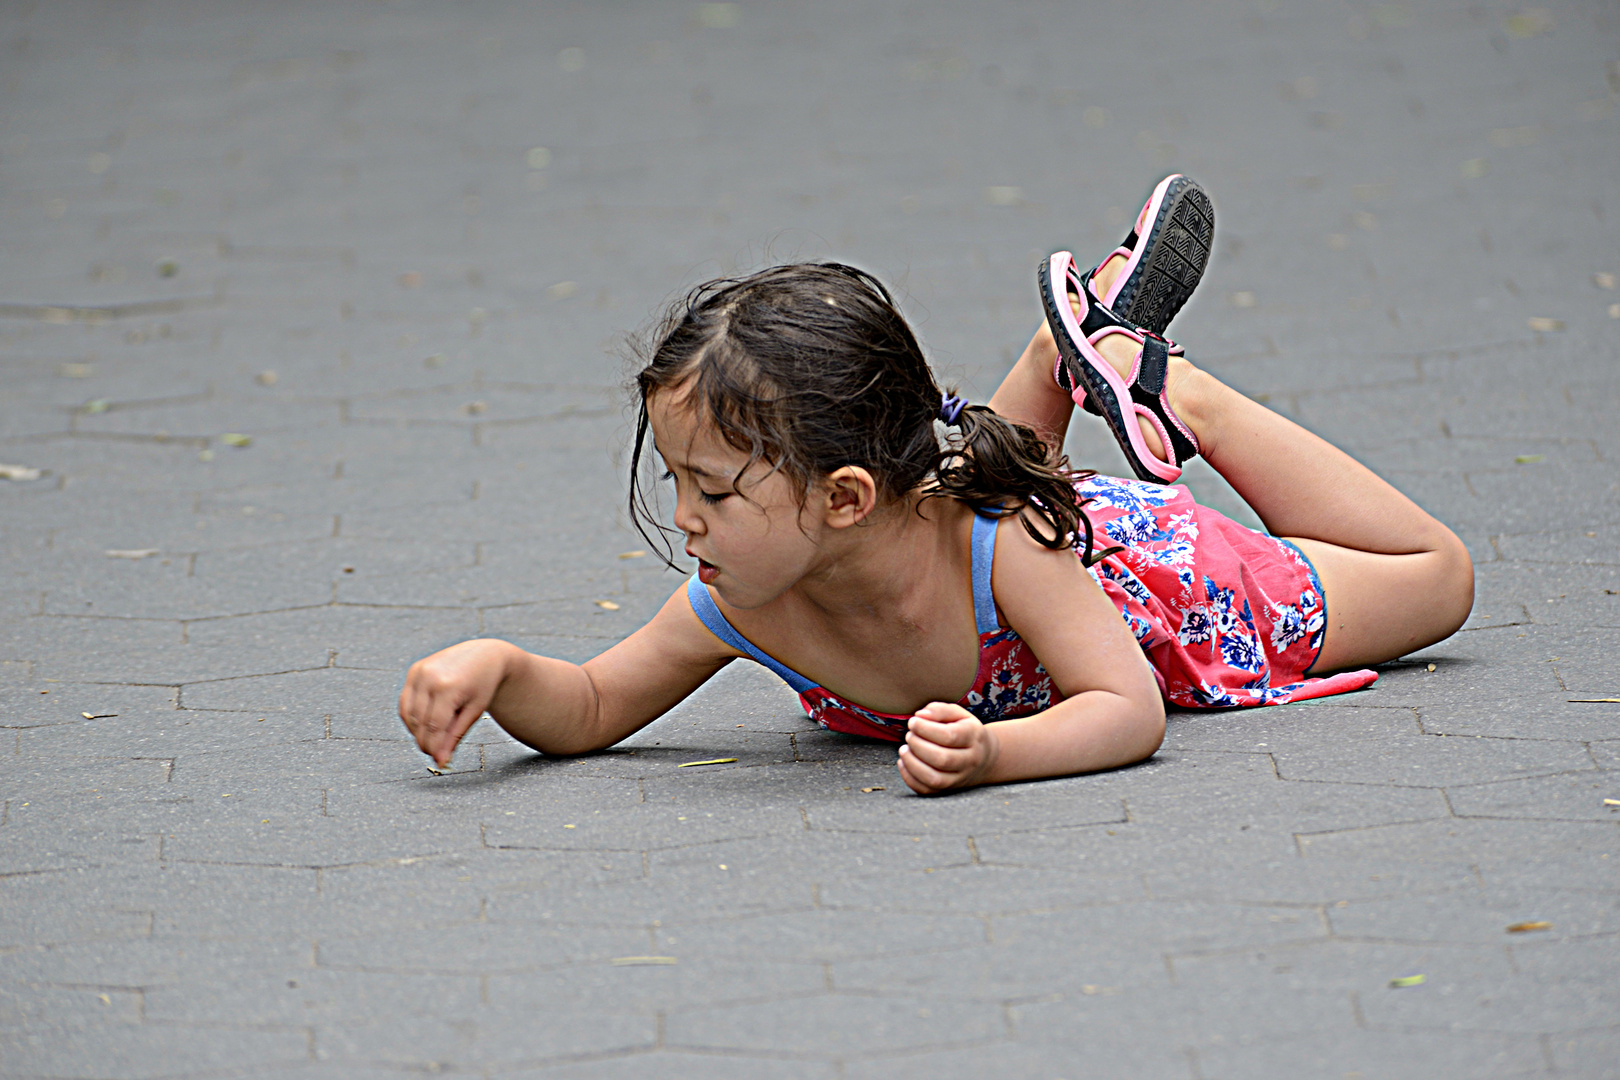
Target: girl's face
{"points": [[752, 542]]}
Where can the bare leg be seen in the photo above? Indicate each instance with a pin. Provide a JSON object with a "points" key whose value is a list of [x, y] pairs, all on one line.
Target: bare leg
{"points": [[1395, 579], [1030, 396]]}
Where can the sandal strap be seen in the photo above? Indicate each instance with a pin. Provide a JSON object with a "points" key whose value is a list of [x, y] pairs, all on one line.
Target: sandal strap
{"points": [[1147, 390], [1121, 400], [1098, 323]]}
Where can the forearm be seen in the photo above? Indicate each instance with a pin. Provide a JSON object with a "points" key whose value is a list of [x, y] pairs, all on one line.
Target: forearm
{"points": [[549, 705], [1089, 732]]}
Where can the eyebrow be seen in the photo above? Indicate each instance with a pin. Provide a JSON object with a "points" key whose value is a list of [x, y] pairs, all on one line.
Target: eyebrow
{"points": [[687, 465]]}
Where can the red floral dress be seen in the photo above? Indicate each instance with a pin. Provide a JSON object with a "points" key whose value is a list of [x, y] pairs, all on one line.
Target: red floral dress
{"points": [[1226, 615]]}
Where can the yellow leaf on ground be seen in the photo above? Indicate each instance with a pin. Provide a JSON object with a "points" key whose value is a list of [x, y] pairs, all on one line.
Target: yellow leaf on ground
{"points": [[1526, 927], [1529, 23], [1408, 980], [712, 761]]}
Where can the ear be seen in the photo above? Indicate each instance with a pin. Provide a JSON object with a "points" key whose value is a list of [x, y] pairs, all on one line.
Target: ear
{"points": [[850, 495]]}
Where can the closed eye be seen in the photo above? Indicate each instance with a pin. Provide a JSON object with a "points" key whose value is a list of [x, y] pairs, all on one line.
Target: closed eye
{"points": [[713, 499]]}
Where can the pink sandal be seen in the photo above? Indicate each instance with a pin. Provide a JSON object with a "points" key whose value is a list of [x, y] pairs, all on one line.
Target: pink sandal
{"points": [[1165, 254], [1101, 389]]}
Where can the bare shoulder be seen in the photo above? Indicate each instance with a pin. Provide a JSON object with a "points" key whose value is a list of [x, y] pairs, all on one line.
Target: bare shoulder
{"points": [[1051, 600], [1026, 570]]}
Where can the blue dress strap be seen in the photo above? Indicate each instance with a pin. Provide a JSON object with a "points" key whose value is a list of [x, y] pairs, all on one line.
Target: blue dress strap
{"points": [[709, 612], [984, 559]]}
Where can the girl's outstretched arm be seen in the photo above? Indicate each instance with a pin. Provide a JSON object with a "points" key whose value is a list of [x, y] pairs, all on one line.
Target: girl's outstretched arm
{"points": [[552, 705], [1112, 713]]}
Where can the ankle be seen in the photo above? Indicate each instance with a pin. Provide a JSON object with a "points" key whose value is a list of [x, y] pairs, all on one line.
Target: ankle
{"points": [[1195, 396]]}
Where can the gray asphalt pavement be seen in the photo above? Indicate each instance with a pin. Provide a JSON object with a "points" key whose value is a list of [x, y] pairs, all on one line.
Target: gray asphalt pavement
{"points": [[312, 324]]}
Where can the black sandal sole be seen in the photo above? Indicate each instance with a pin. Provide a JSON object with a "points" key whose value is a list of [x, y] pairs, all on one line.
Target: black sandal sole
{"points": [[1180, 242]]}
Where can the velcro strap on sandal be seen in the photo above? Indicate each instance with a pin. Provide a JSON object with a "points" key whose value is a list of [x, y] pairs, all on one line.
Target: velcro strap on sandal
{"points": [[1155, 363]]}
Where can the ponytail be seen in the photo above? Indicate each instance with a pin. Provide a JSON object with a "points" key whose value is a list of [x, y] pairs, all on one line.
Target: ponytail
{"points": [[1000, 467]]}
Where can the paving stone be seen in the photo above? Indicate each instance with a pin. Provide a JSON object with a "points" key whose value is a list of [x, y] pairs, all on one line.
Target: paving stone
{"points": [[22, 1006], [1461, 839], [834, 1025], [350, 635], [1479, 916], [474, 948], [1110, 1053], [1132, 848], [1243, 795], [1584, 1054], [680, 1065], [495, 1035], [1539, 716], [691, 982], [1200, 1020], [149, 1050], [49, 704], [1018, 971], [823, 935], [982, 890], [1375, 1053], [140, 962], [1007, 808], [1555, 868], [1517, 1004], [1311, 881], [142, 651], [1568, 797], [608, 890], [1400, 759], [802, 856], [636, 827], [288, 999]]}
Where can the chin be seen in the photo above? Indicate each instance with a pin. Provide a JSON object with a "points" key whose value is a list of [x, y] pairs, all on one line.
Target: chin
{"points": [[744, 599]]}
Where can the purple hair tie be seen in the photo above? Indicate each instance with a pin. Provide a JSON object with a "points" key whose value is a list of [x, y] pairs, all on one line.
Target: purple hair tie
{"points": [[950, 409]]}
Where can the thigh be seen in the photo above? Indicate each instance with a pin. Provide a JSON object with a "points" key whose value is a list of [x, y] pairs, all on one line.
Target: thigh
{"points": [[1381, 607]]}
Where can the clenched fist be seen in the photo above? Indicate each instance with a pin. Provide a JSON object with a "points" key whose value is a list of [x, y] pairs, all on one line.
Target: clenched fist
{"points": [[946, 747]]}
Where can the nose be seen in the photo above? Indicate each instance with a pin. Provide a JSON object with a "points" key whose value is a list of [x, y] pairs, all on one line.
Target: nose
{"points": [[686, 520]]}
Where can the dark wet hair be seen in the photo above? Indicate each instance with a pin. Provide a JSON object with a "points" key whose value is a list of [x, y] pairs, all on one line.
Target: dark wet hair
{"points": [[810, 367]]}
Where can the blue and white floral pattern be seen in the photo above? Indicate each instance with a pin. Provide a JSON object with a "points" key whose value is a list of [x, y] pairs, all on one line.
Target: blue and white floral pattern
{"points": [[1228, 616]]}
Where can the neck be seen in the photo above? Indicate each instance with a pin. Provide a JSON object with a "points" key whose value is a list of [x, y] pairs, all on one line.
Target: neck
{"points": [[882, 565]]}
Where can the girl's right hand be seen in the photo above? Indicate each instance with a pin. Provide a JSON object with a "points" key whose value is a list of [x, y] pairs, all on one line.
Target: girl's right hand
{"points": [[447, 692]]}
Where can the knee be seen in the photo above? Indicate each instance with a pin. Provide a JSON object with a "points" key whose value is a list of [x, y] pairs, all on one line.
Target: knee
{"points": [[1454, 583]]}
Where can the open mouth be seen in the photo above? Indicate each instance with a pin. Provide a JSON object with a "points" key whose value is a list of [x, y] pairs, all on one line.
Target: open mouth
{"points": [[707, 571]]}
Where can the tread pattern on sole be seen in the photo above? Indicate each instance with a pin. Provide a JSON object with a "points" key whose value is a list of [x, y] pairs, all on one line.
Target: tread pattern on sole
{"points": [[1165, 280]]}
